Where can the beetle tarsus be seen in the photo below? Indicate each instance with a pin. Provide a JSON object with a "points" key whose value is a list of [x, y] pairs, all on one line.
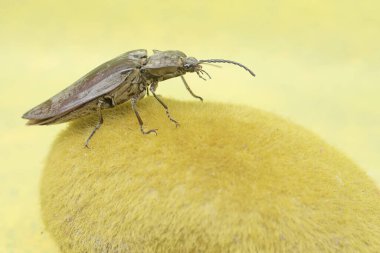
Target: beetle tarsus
{"points": [[100, 122], [152, 89], [141, 123], [171, 119], [149, 131], [191, 92]]}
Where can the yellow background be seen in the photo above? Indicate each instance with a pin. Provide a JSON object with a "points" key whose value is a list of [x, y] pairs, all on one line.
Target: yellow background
{"points": [[317, 64]]}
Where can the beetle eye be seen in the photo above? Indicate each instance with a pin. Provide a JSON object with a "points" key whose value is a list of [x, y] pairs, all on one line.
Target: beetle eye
{"points": [[187, 65]]}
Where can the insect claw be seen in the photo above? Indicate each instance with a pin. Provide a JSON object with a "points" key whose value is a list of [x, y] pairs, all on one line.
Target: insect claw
{"points": [[149, 131], [175, 122], [171, 119]]}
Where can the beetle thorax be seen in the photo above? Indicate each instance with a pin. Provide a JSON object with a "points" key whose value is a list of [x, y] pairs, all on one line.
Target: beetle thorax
{"points": [[164, 65]]}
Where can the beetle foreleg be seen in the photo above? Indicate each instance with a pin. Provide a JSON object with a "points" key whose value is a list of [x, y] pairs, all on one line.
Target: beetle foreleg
{"points": [[100, 122], [141, 123], [152, 89], [188, 88]]}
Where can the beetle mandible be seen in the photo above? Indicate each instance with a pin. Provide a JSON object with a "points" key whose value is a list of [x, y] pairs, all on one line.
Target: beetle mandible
{"points": [[127, 77]]}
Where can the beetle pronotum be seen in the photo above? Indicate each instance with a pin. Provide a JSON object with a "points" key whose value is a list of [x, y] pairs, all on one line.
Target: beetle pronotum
{"points": [[127, 77]]}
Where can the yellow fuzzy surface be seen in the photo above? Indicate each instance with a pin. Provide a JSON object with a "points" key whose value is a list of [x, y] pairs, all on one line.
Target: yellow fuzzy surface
{"points": [[229, 179]]}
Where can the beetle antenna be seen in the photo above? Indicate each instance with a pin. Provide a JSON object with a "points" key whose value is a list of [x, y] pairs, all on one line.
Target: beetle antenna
{"points": [[228, 61], [213, 65]]}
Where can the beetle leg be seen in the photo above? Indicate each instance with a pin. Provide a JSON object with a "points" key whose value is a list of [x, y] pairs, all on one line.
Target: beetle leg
{"points": [[147, 91], [141, 123], [152, 89], [188, 88], [100, 122]]}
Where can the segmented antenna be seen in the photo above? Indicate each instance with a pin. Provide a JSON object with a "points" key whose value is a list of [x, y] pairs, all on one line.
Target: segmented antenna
{"points": [[227, 61]]}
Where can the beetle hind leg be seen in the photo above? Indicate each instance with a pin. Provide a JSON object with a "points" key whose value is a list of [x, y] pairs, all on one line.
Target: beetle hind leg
{"points": [[152, 89], [141, 123], [100, 122]]}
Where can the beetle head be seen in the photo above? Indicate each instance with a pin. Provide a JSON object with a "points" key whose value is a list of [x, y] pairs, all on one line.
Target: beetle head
{"points": [[193, 65], [190, 64]]}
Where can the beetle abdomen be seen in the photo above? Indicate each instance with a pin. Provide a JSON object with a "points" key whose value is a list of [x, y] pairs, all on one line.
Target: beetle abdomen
{"points": [[81, 92], [119, 95], [84, 110], [97, 82]]}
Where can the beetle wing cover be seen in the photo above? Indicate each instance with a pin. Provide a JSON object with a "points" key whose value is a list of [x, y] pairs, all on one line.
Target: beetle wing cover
{"points": [[97, 82]]}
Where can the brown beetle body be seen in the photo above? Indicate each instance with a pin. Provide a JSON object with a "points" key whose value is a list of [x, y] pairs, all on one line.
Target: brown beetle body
{"points": [[122, 93], [124, 78]]}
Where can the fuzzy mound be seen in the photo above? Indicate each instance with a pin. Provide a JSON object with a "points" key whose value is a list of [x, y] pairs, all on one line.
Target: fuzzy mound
{"points": [[229, 179]]}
